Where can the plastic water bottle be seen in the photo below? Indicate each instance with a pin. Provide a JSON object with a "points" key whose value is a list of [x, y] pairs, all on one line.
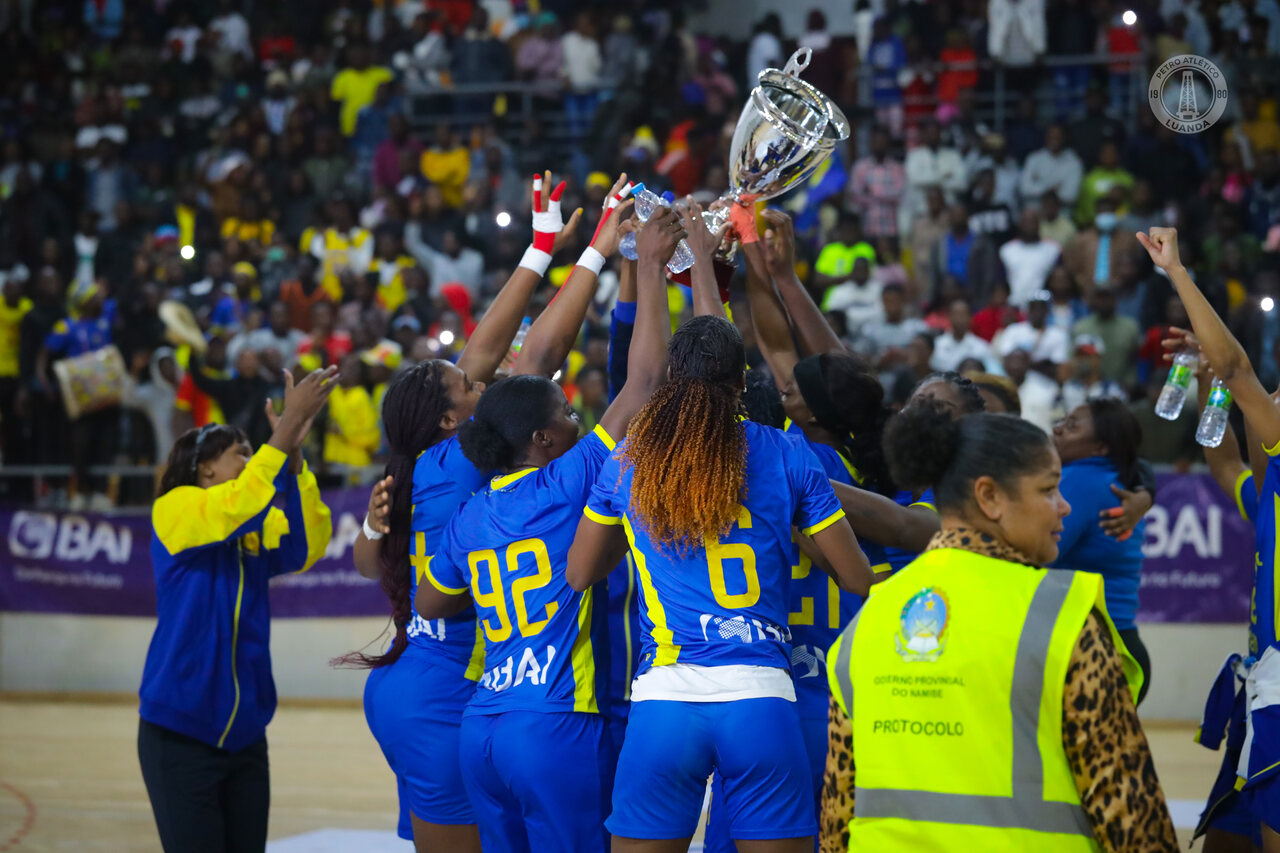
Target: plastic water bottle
{"points": [[646, 203], [517, 343], [1213, 420], [1174, 393]]}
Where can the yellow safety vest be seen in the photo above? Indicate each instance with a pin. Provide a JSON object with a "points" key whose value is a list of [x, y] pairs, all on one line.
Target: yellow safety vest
{"points": [[952, 674]]}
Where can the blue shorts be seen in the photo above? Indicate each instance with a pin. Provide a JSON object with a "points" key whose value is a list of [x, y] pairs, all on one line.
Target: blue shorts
{"points": [[538, 781], [755, 745], [414, 710], [718, 839]]}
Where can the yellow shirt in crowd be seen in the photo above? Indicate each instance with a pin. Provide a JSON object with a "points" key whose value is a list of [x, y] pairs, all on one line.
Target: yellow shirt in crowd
{"points": [[448, 170], [391, 292], [10, 320], [353, 424], [248, 232], [356, 90]]}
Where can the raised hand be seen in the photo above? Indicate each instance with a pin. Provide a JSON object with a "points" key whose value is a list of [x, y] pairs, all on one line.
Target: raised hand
{"points": [[380, 506], [779, 243], [659, 236], [550, 231], [701, 241], [1162, 245], [304, 400]]}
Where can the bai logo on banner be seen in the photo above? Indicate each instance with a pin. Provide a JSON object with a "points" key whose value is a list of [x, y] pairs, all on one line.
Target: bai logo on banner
{"points": [[1188, 93], [72, 538]]}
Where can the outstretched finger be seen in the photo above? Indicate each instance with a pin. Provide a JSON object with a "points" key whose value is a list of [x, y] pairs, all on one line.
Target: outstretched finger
{"points": [[537, 192], [621, 189], [558, 191], [288, 380]]}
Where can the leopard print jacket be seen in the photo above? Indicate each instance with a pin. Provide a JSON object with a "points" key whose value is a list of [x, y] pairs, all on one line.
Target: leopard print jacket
{"points": [[1101, 734]]}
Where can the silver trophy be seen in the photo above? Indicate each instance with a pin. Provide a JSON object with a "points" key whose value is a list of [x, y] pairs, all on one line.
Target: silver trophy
{"points": [[786, 129]]}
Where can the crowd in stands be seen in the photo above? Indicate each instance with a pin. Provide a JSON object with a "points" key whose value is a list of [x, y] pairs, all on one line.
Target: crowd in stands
{"points": [[299, 176]]}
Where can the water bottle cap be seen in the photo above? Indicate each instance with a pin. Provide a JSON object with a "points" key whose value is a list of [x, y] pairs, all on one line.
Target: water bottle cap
{"points": [[637, 188], [669, 196], [526, 321]]}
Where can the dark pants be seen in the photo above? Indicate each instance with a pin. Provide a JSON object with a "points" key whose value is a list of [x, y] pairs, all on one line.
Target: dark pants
{"points": [[1134, 644], [205, 800], [95, 440]]}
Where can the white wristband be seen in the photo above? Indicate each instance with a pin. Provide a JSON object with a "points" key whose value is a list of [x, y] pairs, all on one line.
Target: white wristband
{"points": [[369, 533], [536, 260], [592, 260]]}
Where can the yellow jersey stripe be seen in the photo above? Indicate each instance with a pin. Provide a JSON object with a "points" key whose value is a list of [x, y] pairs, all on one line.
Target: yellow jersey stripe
{"points": [[475, 666], [626, 623], [600, 519], [190, 517], [1272, 451], [584, 661], [824, 524], [425, 570], [1246, 474], [924, 504], [235, 639], [317, 521], [599, 433], [848, 466], [668, 652], [501, 482]]}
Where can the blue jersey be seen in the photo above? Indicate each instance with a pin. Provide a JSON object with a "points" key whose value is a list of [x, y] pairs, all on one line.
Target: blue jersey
{"points": [[897, 557], [1264, 614], [73, 338], [509, 546], [819, 608], [728, 601], [624, 636], [443, 480], [1086, 485]]}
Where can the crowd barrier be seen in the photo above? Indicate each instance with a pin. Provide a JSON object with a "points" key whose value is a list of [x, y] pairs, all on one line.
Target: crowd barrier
{"points": [[1199, 561]]}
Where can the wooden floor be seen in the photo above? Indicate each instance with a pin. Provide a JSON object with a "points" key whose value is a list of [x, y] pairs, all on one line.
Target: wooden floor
{"points": [[69, 777]]}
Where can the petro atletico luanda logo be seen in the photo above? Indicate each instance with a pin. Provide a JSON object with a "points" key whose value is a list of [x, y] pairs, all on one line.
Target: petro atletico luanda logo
{"points": [[1187, 93]]}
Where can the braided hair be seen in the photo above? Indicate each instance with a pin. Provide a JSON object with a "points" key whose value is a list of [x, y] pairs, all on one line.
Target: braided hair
{"points": [[411, 411], [687, 447]]}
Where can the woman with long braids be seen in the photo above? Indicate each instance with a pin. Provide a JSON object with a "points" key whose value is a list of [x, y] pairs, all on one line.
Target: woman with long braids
{"points": [[707, 501], [414, 708], [535, 752]]}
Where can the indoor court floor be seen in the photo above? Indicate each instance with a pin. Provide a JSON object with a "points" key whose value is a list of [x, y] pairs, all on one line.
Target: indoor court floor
{"points": [[69, 779]]}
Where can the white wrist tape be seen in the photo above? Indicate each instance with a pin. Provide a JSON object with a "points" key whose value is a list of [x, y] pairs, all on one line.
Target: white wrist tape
{"points": [[369, 533], [592, 260], [536, 260]]}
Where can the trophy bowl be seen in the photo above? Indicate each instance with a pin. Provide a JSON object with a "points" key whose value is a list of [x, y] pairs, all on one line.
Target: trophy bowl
{"points": [[786, 129]]}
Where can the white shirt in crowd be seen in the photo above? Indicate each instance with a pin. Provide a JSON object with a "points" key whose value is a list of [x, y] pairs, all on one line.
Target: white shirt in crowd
{"points": [[861, 303], [582, 61], [1052, 343], [1044, 170], [924, 167], [233, 34], [949, 353], [765, 51], [1039, 397], [879, 336], [1075, 392], [1027, 266], [186, 39]]}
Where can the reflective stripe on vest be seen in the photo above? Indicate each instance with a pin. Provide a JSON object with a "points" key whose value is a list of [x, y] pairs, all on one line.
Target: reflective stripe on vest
{"points": [[1026, 809], [844, 663]]}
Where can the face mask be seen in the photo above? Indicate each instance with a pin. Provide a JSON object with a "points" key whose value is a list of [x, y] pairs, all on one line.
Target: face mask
{"points": [[1105, 221], [275, 253]]}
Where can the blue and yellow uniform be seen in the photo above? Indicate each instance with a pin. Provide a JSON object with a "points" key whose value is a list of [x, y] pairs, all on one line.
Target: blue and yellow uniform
{"points": [[535, 750], [624, 646], [897, 557], [208, 670], [1246, 495], [715, 665], [414, 707]]}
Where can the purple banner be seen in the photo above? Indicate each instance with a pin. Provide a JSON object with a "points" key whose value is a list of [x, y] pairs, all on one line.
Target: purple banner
{"points": [[1199, 562], [64, 562], [1199, 555]]}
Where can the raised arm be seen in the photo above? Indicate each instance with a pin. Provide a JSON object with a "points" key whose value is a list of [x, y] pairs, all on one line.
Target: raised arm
{"points": [[1226, 356], [622, 323], [492, 337], [811, 328], [702, 277], [768, 317], [553, 333], [647, 358]]}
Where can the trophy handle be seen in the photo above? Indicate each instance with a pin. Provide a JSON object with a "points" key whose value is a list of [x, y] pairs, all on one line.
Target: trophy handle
{"points": [[798, 62]]}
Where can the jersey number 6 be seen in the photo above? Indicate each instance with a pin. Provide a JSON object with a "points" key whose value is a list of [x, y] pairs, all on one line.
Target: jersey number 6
{"points": [[718, 553]]}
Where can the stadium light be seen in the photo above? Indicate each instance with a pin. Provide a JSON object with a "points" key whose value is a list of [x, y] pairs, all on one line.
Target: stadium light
{"points": [[446, 337], [1129, 17], [187, 252], [1268, 304], [503, 219]]}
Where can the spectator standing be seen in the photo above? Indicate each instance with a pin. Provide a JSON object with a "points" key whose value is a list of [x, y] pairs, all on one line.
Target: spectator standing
{"points": [[389, 267], [300, 294], [1027, 259], [1119, 337], [1054, 167], [342, 246], [997, 314], [1173, 42], [835, 262], [1102, 180], [1089, 380], [765, 49], [13, 308], [1091, 255], [1016, 33], [326, 168], [363, 311], [275, 343], [356, 85], [398, 145], [960, 67], [446, 164], [931, 164], [967, 257], [927, 230], [1121, 40], [1254, 131], [876, 187], [1144, 214], [194, 408], [582, 68], [1055, 224], [989, 215], [452, 263], [1048, 346], [1038, 395], [958, 343], [1072, 31], [372, 127], [858, 298], [888, 59], [108, 183], [326, 345], [995, 156], [540, 58], [351, 433], [479, 57], [1087, 135], [885, 341], [277, 103]]}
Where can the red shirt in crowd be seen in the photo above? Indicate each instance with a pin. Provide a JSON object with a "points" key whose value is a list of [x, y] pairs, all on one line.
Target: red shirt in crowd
{"points": [[331, 350], [988, 322]]}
